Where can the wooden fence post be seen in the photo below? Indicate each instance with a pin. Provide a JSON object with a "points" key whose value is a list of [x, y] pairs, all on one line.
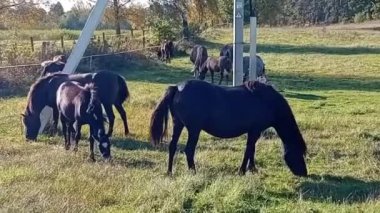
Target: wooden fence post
{"points": [[32, 44], [104, 39], [62, 44], [143, 32]]}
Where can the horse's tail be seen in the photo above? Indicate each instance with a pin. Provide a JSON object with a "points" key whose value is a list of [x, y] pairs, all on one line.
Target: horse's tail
{"points": [[123, 90], [93, 97], [159, 119], [199, 60]]}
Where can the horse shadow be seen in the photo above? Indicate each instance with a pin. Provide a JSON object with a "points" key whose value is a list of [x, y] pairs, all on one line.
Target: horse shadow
{"points": [[304, 96], [339, 189], [130, 144]]}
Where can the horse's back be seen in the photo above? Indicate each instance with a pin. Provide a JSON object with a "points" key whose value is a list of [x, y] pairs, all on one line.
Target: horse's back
{"points": [[221, 111]]}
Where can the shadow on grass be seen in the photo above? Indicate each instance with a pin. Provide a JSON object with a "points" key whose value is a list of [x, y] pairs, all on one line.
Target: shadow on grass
{"points": [[298, 49], [132, 144], [304, 96], [329, 188], [297, 82]]}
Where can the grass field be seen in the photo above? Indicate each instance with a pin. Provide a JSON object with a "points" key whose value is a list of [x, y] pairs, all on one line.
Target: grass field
{"points": [[331, 79]]}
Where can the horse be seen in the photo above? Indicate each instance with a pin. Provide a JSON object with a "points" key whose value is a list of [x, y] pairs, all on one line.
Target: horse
{"points": [[227, 50], [222, 64], [53, 66], [241, 109], [198, 56], [77, 106], [112, 88], [167, 51], [260, 67]]}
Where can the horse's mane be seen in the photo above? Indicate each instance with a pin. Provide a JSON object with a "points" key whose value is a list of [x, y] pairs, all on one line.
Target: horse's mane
{"points": [[36, 87]]}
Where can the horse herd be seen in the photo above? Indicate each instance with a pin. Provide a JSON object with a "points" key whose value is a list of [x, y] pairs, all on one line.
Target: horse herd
{"points": [[224, 112]]}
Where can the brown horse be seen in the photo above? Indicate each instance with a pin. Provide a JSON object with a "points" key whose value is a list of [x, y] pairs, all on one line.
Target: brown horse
{"points": [[221, 64], [167, 50], [112, 88], [198, 56], [53, 66], [79, 105]]}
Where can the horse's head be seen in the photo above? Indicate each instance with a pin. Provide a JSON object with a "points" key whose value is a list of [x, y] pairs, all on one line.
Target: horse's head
{"points": [[104, 144], [32, 124]]}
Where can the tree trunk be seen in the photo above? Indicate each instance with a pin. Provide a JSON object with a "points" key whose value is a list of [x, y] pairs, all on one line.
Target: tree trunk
{"points": [[185, 28], [117, 16]]}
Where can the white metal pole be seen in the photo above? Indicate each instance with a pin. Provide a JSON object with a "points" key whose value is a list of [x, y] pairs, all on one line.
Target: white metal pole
{"points": [[238, 42], [78, 51], [252, 51]]}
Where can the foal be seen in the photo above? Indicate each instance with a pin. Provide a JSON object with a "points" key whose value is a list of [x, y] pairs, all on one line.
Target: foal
{"points": [[79, 105], [222, 65]]}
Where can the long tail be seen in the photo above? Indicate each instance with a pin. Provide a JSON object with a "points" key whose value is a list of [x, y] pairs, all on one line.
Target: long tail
{"points": [[159, 119], [123, 90]]}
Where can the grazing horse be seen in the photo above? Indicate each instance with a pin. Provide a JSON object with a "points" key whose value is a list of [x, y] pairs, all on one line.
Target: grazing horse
{"points": [[222, 65], [112, 89], [198, 56], [77, 106], [167, 51], [53, 66], [242, 109], [227, 50], [260, 67]]}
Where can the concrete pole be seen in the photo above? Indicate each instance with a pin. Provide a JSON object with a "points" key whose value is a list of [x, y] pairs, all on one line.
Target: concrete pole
{"points": [[238, 42], [252, 49], [78, 51]]}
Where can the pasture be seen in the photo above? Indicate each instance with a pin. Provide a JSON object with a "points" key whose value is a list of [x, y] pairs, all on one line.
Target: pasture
{"points": [[330, 78]]}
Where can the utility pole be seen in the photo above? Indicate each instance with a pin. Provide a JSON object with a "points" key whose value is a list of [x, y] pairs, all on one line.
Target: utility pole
{"points": [[78, 51], [252, 39], [238, 42]]}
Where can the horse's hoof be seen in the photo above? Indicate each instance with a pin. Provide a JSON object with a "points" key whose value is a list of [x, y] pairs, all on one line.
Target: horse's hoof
{"points": [[254, 170], [126, 133], [91, 159], [168, 173], [241, 172], [75, 149]]}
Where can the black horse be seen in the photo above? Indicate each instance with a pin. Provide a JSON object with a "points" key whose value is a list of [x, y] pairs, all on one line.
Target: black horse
{"points": [[227, 50], [53, 66], [242, 109], [167, 51], [112, 88], [198, 56], [221, 64], [77, 106]]}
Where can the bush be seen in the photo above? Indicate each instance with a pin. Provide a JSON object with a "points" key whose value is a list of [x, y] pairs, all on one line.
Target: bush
{"points": [[162, 30], [360, 17]]}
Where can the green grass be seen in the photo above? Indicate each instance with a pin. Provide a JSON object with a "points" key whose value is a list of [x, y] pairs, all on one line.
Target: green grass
{"points": [[332, 82]]}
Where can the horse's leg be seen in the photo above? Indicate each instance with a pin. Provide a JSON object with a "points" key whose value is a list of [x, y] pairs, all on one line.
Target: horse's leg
{"points": [[249, 152], [55, 120], [221, 77], [91, 139], [65, 132], [78, 127], [192, 141], [69, 134], [123, 116], [111, 118], [227, 78], [177, 129]]}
